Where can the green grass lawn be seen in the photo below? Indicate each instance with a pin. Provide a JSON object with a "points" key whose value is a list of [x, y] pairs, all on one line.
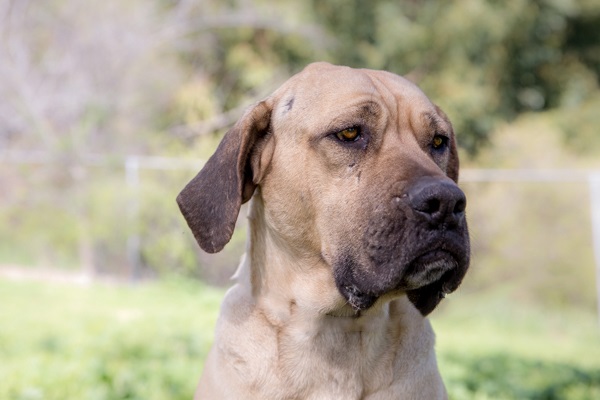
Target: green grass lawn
{"points": [[493, 347], [149, 341]]}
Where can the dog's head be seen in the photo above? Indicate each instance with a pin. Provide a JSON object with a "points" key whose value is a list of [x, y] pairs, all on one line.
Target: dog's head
{"points": [[356, 167]]}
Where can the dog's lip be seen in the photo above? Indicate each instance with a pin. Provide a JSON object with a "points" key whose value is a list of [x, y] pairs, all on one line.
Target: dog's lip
{"points": [[429, 267], [357, 299]]}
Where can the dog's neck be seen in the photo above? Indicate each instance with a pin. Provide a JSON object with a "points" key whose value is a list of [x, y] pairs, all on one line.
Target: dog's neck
{"points": [[281, 277], [288, 303]]}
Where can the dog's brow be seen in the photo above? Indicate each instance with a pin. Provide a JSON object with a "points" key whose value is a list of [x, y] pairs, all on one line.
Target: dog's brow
{"points": [[434, 122], [363, 109]]}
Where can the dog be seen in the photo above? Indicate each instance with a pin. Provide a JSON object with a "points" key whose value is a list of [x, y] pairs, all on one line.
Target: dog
{"points": [[357, 230]]}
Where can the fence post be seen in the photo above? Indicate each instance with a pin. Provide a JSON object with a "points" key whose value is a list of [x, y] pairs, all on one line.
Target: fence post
{"points": [[132, 175], [594, 184]]}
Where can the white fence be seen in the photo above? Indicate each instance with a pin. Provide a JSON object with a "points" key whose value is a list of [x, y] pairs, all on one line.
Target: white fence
{"points": [[132, 165]]}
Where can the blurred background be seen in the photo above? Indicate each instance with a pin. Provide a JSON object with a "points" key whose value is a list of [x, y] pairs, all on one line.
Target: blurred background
{"points": [[108, 108]]}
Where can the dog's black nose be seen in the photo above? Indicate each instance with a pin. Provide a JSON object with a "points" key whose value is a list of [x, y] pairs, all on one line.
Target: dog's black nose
{"points": [[439, 201]]}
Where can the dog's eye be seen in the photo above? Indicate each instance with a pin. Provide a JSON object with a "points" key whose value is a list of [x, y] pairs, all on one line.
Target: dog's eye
{"points": [[349, 134], [439, 142]]}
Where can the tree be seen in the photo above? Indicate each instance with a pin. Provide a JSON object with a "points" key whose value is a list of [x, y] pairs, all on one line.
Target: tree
{"points": [[483, 61]]}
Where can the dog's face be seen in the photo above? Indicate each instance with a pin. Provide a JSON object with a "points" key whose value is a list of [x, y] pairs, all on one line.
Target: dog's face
{"points": [[356, 167]]}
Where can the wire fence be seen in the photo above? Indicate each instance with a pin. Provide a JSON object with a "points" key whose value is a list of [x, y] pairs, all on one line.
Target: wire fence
{"points": [[546, 221]]}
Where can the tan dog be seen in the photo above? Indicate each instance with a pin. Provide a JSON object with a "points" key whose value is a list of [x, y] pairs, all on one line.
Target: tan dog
{"points": [[357, 230]]}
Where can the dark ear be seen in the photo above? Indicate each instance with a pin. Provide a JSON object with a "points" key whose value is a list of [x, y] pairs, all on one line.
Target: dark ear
{"points": [[210, 202], [453, 163]]}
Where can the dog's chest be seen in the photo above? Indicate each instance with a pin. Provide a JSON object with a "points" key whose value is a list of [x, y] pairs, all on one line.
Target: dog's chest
{"points": [[316, 358], [333, 363]]}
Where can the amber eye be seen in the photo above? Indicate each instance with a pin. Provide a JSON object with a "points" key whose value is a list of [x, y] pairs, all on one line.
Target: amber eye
{"points": [[439, 142], [349, 135]]}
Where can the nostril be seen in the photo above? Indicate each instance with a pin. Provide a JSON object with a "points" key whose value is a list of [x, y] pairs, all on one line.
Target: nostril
{"points": [[460, 206], [431, 206]]}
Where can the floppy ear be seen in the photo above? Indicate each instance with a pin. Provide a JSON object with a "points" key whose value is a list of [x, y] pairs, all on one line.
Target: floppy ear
{"points": [[453, 163], [210, 202]]}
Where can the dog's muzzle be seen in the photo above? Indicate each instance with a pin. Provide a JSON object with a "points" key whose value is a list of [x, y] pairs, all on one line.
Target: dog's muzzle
{"points": [[418, 245]]}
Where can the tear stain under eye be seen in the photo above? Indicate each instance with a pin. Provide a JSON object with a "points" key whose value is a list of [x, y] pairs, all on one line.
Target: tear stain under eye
{"points": [[358, 176]]}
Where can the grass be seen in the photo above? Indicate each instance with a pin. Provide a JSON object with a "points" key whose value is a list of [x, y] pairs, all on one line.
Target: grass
{"points": [[148, 342], [493, 347], [66, 342]]}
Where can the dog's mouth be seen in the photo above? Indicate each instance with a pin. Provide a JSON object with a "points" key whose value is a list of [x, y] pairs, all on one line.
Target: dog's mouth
{"points": [[358, 299], [428, 268], [432, 268]]}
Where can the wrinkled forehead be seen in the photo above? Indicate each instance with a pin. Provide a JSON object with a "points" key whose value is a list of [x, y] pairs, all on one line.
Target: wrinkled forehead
{"points": [[325, 89]]}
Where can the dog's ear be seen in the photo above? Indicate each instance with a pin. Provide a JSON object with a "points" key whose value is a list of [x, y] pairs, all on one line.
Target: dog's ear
{"points": [[453, 163], [210, 202]]}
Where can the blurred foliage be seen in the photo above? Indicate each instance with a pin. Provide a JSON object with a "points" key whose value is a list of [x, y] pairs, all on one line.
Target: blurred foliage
{"points": [[106, 343], [482, 61], [533, 238], [144, 67], [518, 79], [494, 346], [139, 342], [503, 377]]}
